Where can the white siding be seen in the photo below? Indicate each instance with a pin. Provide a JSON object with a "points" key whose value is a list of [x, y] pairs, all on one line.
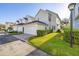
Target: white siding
{"points": [[75, 14], [41, 27], [42, 16], [30, 29], [20, 28]]}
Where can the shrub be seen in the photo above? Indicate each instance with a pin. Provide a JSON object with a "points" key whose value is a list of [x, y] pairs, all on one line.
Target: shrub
{"points": [[15, 33], [75, 34], [43, 32], [59, 31]]}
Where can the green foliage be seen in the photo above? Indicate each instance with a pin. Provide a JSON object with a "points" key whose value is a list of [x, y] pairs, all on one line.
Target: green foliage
{"points": [[59, 31], [43, 32], [75, 34], [15, 33], [10, 28]]}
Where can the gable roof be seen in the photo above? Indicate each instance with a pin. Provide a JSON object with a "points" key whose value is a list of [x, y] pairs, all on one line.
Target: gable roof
{"points": [[48, 12], [54, 13], [39, 11]]}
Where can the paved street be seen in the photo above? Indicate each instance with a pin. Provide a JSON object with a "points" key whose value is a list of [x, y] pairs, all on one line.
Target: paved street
{"points": [[7, 38]]}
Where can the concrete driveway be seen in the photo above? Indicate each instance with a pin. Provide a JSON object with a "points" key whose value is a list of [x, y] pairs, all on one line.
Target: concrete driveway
{"points": [[23, 37], [34, 51], [14, 46]]}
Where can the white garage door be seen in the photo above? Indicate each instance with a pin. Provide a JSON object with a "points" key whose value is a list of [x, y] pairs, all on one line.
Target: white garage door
{"points": [[30, 29]]}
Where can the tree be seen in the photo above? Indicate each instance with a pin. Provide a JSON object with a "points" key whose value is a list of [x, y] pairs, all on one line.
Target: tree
{"points": [[65, 21], [10, 29]]}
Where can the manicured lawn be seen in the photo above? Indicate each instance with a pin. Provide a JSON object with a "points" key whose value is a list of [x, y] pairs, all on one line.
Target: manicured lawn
{"points": [[54, 44]]}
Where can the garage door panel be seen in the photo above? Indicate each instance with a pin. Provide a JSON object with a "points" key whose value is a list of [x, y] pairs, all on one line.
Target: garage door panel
{"points": [[30, 29]]}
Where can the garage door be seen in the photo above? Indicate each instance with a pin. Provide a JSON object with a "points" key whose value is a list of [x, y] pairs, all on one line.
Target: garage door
{"points": [[30, 29]]}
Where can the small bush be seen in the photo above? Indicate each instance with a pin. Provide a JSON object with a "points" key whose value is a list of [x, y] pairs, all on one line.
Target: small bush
{"points": [[59, 31], [15, 33], [43, 32]]}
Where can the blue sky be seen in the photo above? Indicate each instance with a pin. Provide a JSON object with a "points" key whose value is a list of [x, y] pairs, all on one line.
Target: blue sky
{"points": [[11, 12]]}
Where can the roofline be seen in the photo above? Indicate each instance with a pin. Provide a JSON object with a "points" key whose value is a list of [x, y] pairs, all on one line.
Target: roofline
{"points": [[49, 11], [55, 14], [38, 12], [33, 22]]}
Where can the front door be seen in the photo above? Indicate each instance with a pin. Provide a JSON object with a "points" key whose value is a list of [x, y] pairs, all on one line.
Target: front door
{"points": [[23, 29]]}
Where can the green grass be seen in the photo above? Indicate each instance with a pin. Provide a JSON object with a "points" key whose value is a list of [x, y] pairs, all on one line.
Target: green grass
{"points": [[54, 44]]}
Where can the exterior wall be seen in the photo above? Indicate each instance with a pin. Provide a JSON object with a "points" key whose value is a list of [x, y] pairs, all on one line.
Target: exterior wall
{"points": [[76, 9], [58, 24], [42, 16], [53, 22], [31, 28], [75, 14], [41, 27], [20, 28], [15, 28]]}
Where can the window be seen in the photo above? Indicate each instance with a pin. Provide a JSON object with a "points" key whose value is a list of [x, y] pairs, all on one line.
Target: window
{"points": [[78, 9], [57, 24], [54, 27], [49, 17], [26, 18]]}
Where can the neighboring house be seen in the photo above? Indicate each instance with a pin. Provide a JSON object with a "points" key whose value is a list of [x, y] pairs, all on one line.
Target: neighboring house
{"points": [[2, 27], [50, 18], [9, 24], [44, 19], [76, 16]]}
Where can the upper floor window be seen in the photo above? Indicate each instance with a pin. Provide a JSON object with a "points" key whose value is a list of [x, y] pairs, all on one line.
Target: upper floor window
{"points": [[25, 18], [49, 17]]}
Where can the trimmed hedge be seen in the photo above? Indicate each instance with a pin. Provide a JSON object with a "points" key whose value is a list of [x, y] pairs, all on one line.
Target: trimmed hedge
{"points": [[75, 34], [15, 33], [43, 32]]}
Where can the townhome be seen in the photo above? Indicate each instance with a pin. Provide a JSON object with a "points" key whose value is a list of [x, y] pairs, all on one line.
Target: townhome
{"points": [[43, 20], [50, 18]]}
